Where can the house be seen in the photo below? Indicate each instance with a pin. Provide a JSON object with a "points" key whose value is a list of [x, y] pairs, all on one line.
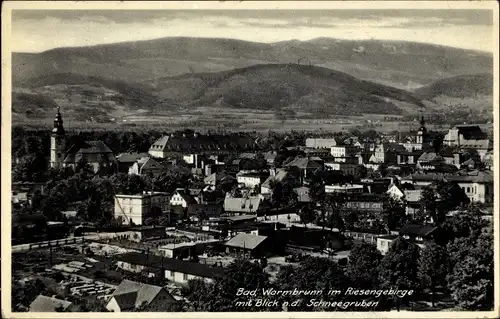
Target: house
{"points": [[412, 198], [216, 179], [125, 160], [245, 205], [176, 270], [366, 202], [304, 165], [247, 245], [279, 175], [408, 157], [344, 167], [387, 153], [182, 198], [477, 185], [344, 151], [270, 157], [302, 194], [417, 234], [305, 239], [49, 304], [395, 192], [194, 211], [145, 166], [96, 153], [345, 189], [133, 209], [130, 295], [251, 180], [320, 142]]}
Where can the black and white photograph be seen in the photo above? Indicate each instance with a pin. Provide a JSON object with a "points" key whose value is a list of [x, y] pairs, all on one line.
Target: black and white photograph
{"points": [[277, 158]]}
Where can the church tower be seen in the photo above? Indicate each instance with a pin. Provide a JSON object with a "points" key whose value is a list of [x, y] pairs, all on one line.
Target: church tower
{"points": [[422, 132], [57, 143]]}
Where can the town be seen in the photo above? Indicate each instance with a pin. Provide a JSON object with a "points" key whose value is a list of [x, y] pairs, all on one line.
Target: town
{"points": [[187, 221]]}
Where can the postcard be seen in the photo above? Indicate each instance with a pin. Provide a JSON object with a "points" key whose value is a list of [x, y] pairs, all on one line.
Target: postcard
{"points": [[250, 159]]}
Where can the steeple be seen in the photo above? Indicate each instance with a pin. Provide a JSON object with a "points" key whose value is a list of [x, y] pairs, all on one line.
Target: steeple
{"points": [[422, 125], [58, 124], [57, 143]]}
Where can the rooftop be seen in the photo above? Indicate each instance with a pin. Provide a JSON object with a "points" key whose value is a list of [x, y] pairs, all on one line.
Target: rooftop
{"points": [[48, 304], [247, 241]]}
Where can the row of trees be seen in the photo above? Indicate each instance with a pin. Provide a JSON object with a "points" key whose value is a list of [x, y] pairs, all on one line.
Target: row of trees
{"points": [[463, 268]]}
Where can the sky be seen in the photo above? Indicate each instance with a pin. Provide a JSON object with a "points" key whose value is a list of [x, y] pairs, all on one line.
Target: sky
{"points": [[40, 30]]}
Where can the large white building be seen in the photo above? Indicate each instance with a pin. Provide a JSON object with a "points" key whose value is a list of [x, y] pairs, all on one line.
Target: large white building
{"points": [[133, 209], [320, 142]]}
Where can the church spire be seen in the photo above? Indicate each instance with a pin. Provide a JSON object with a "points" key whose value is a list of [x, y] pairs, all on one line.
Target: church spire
{"points": [[58, 123]]}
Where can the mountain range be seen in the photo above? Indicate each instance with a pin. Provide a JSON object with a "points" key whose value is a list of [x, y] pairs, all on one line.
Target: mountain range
{"points": [[323, 76]]}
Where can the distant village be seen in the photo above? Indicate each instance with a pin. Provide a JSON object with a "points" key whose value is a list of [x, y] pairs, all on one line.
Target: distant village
{"points": [[272, 208]]}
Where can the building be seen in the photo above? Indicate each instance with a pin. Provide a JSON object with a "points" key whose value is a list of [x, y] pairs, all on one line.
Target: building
{"points": [[408, 157], [125, 160], [145, 166], [245, 205], [176, 270], [133, 209], [419, 141], [346, 189], [395, 192], [57, 142], [302, 194], [182, 198], [95, 153], [200, 144], [417, 234], [131, 295], [321, 142], [412, 198], [366, 202], [251, 180], [477, 185], [344, 151], [345, 168], [50, 304], [387, 153], [279, 175], [216, 179], [305, 166], [248, 245], [466, 136]]}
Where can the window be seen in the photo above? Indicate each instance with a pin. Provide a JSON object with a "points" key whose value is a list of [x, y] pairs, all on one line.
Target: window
{"points": [[185, 276], [468, 189]]}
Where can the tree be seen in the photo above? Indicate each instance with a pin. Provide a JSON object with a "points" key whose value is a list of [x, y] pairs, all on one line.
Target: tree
{"points": [[399, 267], [312, 273], [222, 294], [350, 219], [394, 214], [362, 268], [472, 277], [307, 214], [466, 223], [428, 205], [433, 267]]}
